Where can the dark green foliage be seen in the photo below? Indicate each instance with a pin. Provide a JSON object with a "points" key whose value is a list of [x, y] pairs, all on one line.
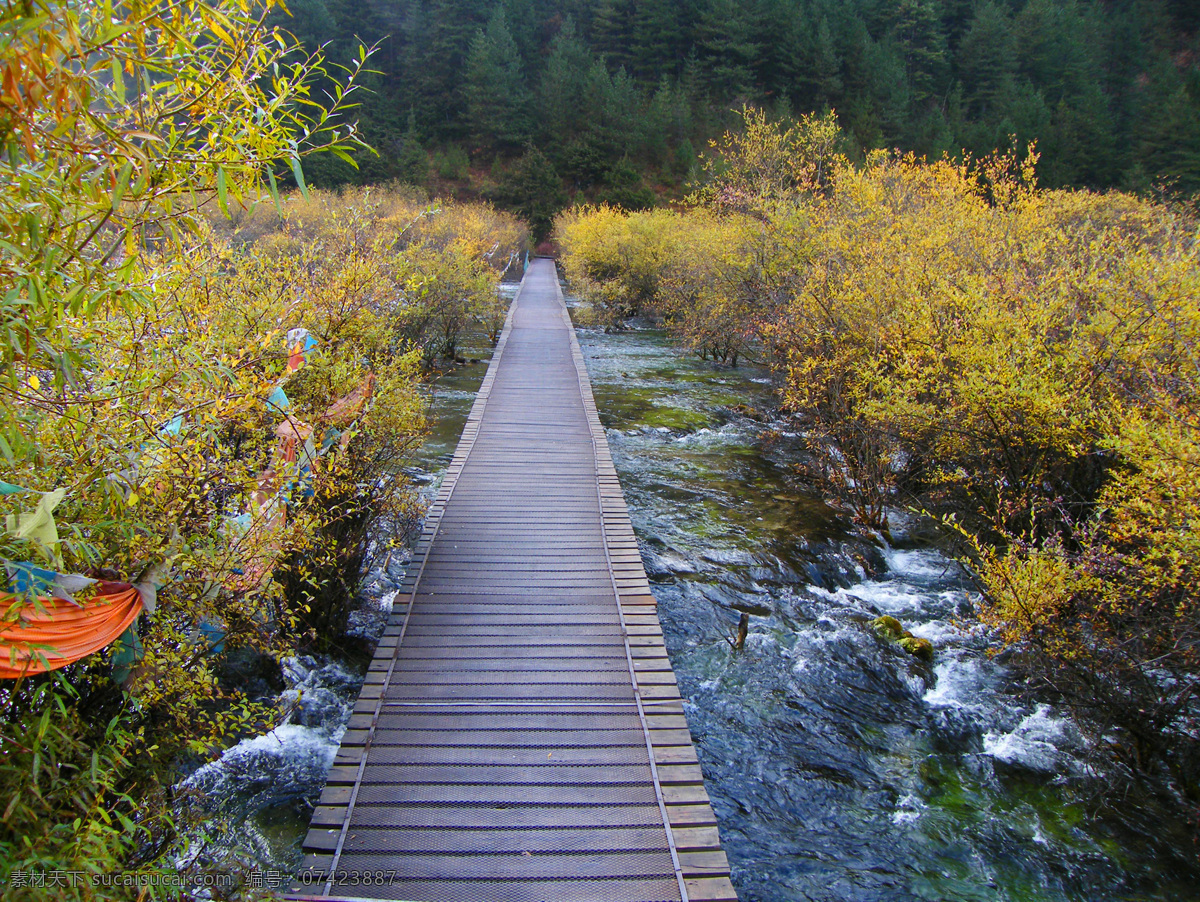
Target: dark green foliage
{"points": [[412, 163], [824, 66], [497, 96], [1171, 142], [918, 31], [987, 61], [626, 190], [659, 42], [1108, 91], [534, 191], [612, 31], [727, 36]]}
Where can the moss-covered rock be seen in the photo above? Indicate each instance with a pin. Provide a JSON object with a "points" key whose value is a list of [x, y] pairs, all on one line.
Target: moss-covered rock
{"points": [[888, 628], [920, 648], [891, 630]]}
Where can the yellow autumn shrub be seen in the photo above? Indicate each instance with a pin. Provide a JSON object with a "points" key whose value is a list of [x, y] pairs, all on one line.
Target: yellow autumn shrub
{"points": [[150, 275], [1018, 363], [1023, 362], [617, 259]]}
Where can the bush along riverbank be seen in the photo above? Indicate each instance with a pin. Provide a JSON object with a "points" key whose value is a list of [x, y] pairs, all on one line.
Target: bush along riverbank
{"points": [[1017, 366], [266, 495], [209, 394]]}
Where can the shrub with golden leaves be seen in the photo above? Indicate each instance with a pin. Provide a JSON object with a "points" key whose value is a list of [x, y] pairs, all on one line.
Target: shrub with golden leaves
{"points": [[1021, 364], [147, 371]]}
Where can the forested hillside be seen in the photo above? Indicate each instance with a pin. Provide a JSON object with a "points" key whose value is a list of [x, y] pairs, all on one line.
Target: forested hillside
{"points": [[537, 102]]}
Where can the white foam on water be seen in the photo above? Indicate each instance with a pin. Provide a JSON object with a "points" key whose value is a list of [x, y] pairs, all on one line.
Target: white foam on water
{"points": [[921, 563], [454, 394], [1042, 742], [295, 756], [941, 632], [962, 682], [285, 761], [727, 556], [761, 641], [706, 437], [889, 596], [916, 684], [908, 809]]}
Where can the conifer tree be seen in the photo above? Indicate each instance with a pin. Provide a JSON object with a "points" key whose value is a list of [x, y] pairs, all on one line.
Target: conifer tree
{"points": [[918, 29], [1170, 147], [727, 34], [412, 163], [497, 99], [441, 43], [612, 32], [986, 61], [561, 91], [534, 191], [658, 38], [522, 18], [826, 68]]}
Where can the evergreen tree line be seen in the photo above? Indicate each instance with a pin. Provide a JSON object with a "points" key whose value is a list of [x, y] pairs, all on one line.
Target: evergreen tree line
{"points": [[542, 102]]}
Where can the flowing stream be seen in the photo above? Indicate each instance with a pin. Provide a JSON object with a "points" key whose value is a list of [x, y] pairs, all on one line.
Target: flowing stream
{"points": [[840, 767]]}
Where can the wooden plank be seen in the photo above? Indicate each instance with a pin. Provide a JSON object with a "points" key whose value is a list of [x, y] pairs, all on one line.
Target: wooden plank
{"points": [[696, 838], [680, 773], [685, 794], [710, 889], [704, 864], [671, 737], [691, 816], [681, 754]]}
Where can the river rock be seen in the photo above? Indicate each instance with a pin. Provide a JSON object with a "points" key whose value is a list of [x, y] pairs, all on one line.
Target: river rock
{"points": [[891, 630], [917, 647], [888, 628]]}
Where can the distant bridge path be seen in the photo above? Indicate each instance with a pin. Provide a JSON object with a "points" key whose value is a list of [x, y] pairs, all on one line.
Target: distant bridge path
{"points": [[520, 737]]}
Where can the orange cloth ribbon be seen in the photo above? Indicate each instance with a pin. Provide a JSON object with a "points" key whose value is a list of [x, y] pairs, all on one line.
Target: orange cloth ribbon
{"points": [[57, 633]]}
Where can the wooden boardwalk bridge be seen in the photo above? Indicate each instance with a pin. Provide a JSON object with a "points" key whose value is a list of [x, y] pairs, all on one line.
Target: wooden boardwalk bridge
{"points": [[520, 736]]}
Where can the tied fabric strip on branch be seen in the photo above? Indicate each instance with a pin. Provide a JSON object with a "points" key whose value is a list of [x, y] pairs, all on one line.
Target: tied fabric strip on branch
{"points": [[52, 632], [55, 630]]}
